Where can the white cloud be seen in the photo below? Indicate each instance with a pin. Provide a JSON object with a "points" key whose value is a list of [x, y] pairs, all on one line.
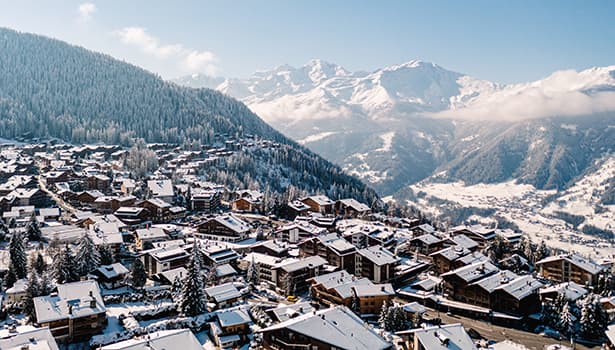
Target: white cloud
{"points": [[564, 93], [86, 10], [187, 60]]}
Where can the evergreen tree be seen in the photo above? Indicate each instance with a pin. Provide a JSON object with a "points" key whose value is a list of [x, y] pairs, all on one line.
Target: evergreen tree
{"points": [[64, 266], [33, 290], [252, 273], [33, 229], [550, 314], [399, 320], [138, 276], [4, 230], [45, 284], [567, 322], [384, 314], [18, 261], [355, 305], [594, 319], [193, 300], [87, 256], [106, 255], [38, 263], [9, 278], [289, 284]]}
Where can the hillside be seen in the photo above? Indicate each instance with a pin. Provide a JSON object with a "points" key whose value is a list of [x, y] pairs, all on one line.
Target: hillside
{"points": [[51, 89]]}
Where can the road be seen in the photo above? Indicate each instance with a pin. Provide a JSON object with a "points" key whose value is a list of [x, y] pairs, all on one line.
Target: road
{"points": [[59, 201], [492, 332]]}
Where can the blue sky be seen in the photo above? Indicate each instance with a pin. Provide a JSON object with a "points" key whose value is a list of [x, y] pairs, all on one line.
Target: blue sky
{"points": [[503, 41]]}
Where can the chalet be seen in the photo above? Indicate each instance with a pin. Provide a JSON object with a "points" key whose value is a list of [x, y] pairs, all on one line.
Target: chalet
{"points": [[17, 292], [223, 295], [55, 176], [480, 234], [299, 231], [569, 290], [182, 339], [376, 263], [271, 247], [99, 182], [328, 329], [227, 227], [351, 208], [62, 233], [132, 216], [456, 282], [366, 235], [424, 229], [160, 211], [161, 189], [426, 243], [230, 328], [149, 235], [88, 197], [518, 296], [76, 311], [319, 204], [444, 259], [28, 196], [207, 201], [336, 250], [286, 312], [569, 268], [247, 200], [111, 276], [450, 336], [297, 272], [293, 209], [216, 255], [128, 186], [30, 339], [158, 260], [462, 240], [341, 288]]}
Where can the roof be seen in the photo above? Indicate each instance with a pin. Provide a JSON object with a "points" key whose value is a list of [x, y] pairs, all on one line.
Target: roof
{"points": [[507, 345], [232, 317], [355, 205], [337, 326], [309, 262], [473, 272], [571, 290], [225, 270], [452, 253], [182, 339], [427, 238], [610, 333], [575, 259], [378, 255], [286, 312], [75, 296], [151, 233], [320, 200], [232, 222], [465, 241], [113, 270], [445, 337], [223, 292], [521, 287], [35, 339], [160, 188], [490, 283]]}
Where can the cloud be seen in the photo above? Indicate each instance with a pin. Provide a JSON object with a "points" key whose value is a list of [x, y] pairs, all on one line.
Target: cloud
{"points": [[564, 93], [187, 60], [86, 10]]}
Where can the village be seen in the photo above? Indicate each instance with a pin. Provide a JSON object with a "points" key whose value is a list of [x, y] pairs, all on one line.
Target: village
{"points": [[108, 247]]}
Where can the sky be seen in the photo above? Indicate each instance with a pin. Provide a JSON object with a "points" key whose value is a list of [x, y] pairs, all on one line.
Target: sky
{"points": [[501, 41]]}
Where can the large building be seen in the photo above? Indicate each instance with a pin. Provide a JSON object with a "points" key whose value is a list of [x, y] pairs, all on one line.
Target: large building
{"points": [[76, 311], [569, 268]]}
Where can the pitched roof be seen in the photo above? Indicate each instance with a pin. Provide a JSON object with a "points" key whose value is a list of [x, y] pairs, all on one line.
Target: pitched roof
{"points": [[35, 339], [182, 339], [473, 272], [378, 255], [445, 337], [521, 287], [575, 259], [73, 297], [337, 326]]}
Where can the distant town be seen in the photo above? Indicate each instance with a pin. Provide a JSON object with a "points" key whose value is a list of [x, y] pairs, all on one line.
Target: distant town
{"points": [[110, 247]]}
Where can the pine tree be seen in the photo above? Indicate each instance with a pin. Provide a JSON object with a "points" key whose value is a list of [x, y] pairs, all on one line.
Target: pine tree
{"points": [[45, 284], [64, 266], [106, 255], [38, 263], [4, 230], [567, 323], [33, 290], [252, 273], [33, 229], [138, 276], [87, 256], [550, 314], [289, 284], [384, 313], [594, 319], [18, 261], [193, 299]]}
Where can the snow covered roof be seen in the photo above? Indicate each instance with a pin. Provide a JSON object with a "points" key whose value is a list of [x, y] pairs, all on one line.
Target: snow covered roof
{"points": [[465, 241], [427, 238], [473, 272], [452, 253], [309, 262], [490, 283], [507, 345], [355, 204], [225, 270], [575, 259], [113, 270], [182, 339], [232, 222], [223, 292], [473, 258], [521, 287], [73, 300], [34, 339], [151, 233], [170, 275], [233, 317], [570, 290], [337, 326], [378, 255], [286, 312], [445, 337], [160, 188], [414, 307], [18, 287]]}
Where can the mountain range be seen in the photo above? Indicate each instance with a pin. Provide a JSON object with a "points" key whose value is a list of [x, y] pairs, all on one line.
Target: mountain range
{"points": [[417, 121]]}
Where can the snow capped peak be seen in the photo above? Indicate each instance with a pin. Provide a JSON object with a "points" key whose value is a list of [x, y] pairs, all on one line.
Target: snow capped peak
{"points": [[319, 70]]}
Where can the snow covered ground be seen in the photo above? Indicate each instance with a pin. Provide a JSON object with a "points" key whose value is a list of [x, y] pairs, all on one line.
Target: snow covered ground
{"points": [[523, 205]]}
